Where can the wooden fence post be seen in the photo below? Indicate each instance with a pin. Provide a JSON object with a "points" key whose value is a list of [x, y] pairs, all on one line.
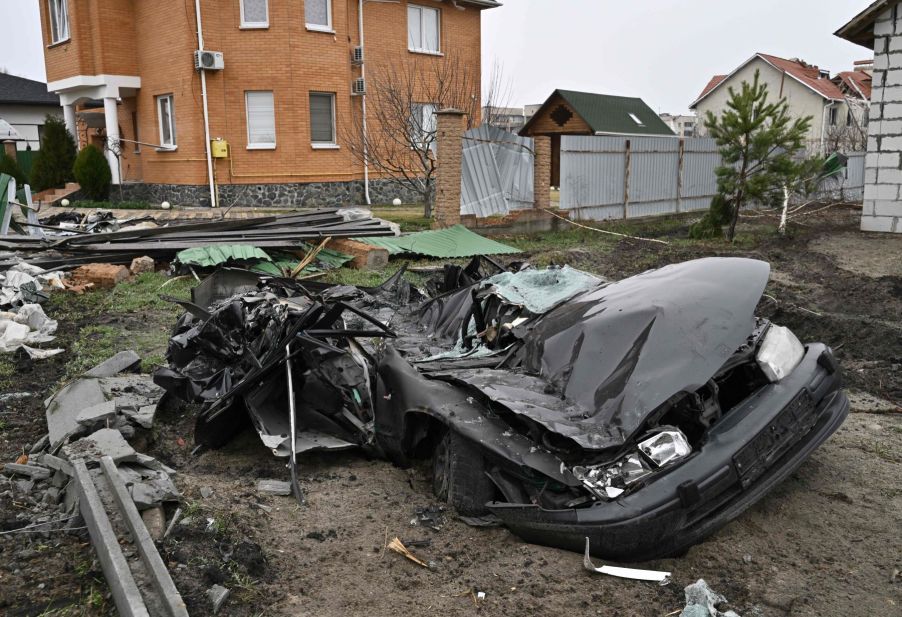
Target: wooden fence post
{"points": [[626, 177], [679, 203]]}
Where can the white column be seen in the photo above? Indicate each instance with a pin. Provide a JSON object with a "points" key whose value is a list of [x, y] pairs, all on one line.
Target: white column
{"points": [[69, 117], [111, 115]]}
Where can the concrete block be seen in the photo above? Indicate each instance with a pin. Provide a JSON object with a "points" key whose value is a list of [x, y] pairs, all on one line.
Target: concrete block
{"points": [[867, 208], [881, 62], [122, 361], [884, 27], [64, 407], [891, 111], [892, 93], [105, 442], [889, 145], [274, 487], [892, 78], [888, 175], [30, 471], [217, 595], [895, 44], [889, 128], [889, 158], [881, 223], [888, 207], [56, 463], [871, 159], [881, 192], [870, 176], [872, 143], [877, 95], [97, 415], [880, 45]]}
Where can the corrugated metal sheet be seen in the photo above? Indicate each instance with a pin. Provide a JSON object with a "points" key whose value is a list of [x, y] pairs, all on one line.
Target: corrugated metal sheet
{"points": [[456, 241], [497, 172], [594, 176]]}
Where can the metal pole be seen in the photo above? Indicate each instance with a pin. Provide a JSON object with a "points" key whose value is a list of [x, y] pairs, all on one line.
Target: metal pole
{"points": [[366, 154], [295, 486], [203, 94]]}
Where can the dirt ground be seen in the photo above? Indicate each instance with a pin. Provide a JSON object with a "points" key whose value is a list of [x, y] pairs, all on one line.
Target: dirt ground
{"points": [[824, 543]]}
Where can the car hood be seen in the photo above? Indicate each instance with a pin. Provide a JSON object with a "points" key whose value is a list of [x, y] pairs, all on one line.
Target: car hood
{"points": [[593, 368]]}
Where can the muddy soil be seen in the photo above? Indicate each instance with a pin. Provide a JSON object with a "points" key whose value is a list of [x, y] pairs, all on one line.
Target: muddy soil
{"points": [[824, 543]]}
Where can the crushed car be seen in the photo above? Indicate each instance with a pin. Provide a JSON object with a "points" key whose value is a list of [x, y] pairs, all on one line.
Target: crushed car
{"points": [[642, 414]]}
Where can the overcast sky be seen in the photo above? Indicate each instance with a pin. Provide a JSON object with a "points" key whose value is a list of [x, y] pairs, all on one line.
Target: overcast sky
{"points": [[661, 50]]}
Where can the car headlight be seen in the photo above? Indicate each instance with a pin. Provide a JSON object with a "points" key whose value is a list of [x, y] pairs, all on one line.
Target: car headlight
{"points": [[780, 352], [611, 480]]}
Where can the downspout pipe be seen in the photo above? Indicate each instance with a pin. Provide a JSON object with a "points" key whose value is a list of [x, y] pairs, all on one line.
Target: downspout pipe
{"points": [[366, 158], [203, 93], [824, 128]]}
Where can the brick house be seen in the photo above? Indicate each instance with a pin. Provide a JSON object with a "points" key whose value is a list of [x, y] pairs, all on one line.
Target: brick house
{"points": [[879, 27], [280, 95]]}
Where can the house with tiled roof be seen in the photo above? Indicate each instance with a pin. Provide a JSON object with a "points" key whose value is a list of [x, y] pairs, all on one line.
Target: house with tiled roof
{"points": [[838, 105]]}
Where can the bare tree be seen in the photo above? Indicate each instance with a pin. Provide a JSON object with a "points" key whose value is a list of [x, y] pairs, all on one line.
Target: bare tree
{"points": [[402, 98], [852, 135]]}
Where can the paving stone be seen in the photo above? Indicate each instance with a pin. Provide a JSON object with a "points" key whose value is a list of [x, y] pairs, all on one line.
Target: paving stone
{"points": [[122, 361], [56, 463], [105, 442]]}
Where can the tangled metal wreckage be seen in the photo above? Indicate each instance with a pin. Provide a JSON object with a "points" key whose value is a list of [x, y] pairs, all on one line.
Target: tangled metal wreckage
{"points": [[641, 414]]}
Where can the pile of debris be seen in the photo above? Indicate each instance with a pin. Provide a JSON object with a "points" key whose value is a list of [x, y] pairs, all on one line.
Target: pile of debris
{"points": [[92, 417], [69, 246]]}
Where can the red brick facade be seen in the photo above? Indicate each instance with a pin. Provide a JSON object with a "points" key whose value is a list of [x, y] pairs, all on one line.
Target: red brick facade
{"points": [[156, 40]]}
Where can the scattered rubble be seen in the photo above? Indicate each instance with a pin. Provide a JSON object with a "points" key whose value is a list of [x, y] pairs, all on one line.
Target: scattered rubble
{"points": [[218, 595], [701, 601], [274, 487]]}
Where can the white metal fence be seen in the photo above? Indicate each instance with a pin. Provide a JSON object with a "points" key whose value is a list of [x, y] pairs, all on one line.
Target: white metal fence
{"points": [[607, 177], [497, 174]]}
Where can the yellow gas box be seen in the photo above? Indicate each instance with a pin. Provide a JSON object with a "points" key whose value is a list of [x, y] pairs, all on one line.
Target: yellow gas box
{"points": [[219, 148]]}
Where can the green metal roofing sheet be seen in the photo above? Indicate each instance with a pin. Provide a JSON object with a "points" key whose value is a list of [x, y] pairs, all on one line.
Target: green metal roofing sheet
{"points": [[457, 241]]}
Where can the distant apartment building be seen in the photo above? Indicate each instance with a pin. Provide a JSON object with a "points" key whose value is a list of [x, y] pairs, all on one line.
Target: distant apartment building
{"points": [[262, 116], [508, 118], [684, 126], [837, 105]]}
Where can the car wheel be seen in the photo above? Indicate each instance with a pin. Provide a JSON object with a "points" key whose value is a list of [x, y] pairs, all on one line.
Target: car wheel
{"points": [[458, 475]]}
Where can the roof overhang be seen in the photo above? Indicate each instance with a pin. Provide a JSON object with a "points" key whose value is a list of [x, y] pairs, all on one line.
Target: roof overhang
{"points": [[482, 4], [861, 28], [746, 63]]}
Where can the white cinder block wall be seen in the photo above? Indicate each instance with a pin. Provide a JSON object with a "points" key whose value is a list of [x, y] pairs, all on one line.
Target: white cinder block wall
{"points": [[883, 165]]}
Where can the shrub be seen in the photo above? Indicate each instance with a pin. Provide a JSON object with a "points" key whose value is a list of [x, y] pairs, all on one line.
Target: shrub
{"points": [[52, 167], [711, 225], [10, 167], [92, 172]]}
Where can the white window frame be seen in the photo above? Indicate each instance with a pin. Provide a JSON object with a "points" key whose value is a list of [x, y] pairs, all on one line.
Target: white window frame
{"points": [[419, 124], [438, 35], [324, 145], [58, 15], [635, 119], [259, 145], [320, 27], [173, 145], [252, 25]]}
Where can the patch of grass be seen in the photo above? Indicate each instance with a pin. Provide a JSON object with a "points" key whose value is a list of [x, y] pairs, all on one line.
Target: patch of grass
{"points": [[7, 372], [409, 217], [93, 345]]}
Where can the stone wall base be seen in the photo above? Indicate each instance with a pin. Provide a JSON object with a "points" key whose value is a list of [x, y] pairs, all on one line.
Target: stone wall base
{"points": [[287, 195]]}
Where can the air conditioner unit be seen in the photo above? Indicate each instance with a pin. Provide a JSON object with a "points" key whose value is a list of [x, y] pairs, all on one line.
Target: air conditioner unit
{"points": [[358, 88], [208, 60], [357, 55]]}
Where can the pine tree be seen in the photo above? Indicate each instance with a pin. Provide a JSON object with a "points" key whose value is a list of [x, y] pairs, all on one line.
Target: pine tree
{"points": [[52, 167], [92, 172], [10, 167], [757, 141]]}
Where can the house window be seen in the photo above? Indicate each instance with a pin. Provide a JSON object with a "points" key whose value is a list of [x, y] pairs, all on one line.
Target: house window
{"points": [[318, 15], [636, 119], [834, 114], [423, 124], [261, 120], [423, 29], [166, 114], [59, 21], [254, 13], [322, 120]]}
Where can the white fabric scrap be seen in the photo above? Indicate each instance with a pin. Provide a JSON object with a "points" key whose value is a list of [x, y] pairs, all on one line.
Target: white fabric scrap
{"points": [[26, 327], [632, 573]]}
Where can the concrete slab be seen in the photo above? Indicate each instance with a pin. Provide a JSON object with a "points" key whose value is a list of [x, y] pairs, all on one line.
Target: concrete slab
{"points": [[274, 487], [31, 471], [63, 408], [122, 361], [105, 442], [97, 415]]}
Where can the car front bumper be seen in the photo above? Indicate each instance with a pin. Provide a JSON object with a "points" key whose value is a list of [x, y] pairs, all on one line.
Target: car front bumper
{"points": [[754, 447]]}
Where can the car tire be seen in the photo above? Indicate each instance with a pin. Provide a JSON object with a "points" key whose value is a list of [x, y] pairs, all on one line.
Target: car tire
{"points": [[458, 475]]}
